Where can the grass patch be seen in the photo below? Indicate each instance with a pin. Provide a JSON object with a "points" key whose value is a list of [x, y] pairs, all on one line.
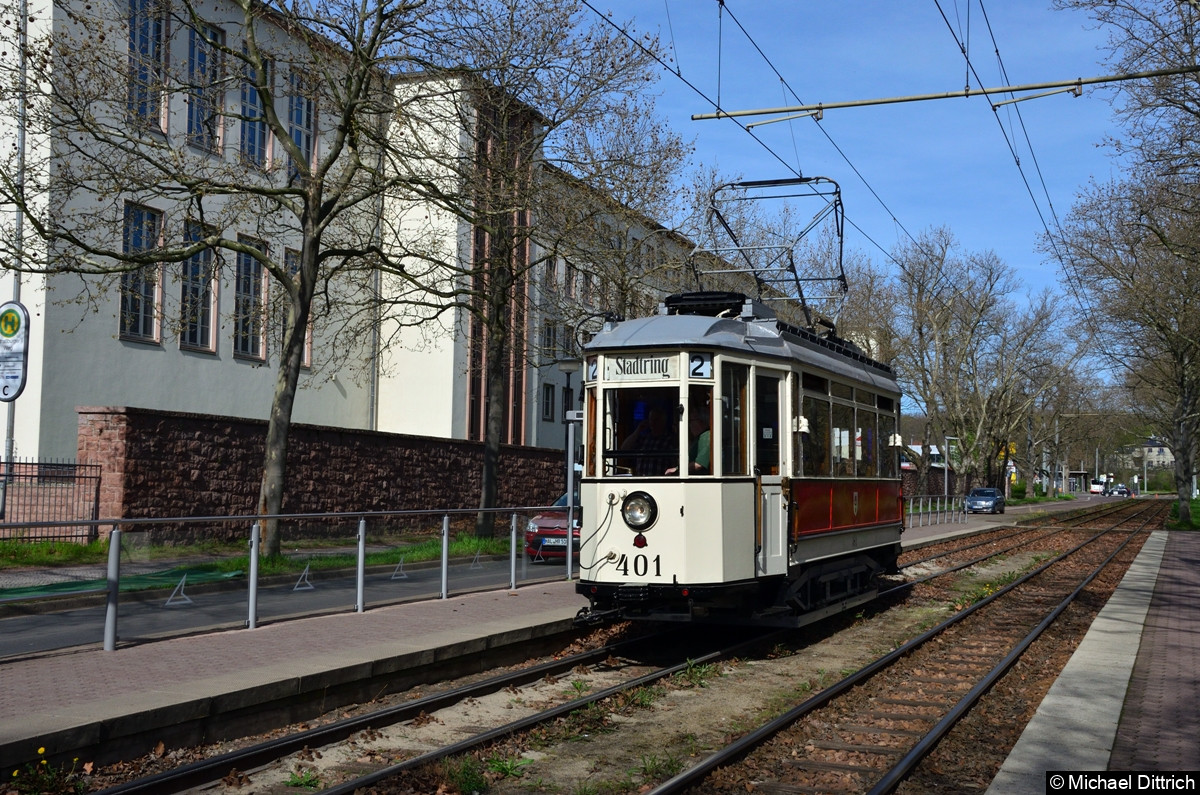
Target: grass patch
{"points": [[230, 558], [47, 554]]}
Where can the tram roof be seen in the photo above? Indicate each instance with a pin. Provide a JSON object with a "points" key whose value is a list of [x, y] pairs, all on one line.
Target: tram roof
{"points": [[753, 334]]}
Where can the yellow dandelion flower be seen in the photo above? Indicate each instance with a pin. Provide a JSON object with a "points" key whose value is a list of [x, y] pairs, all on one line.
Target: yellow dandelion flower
{"points": [[41, 751]]}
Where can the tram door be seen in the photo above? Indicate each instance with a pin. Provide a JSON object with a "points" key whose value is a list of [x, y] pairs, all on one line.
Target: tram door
{"points": [[768, 467]]}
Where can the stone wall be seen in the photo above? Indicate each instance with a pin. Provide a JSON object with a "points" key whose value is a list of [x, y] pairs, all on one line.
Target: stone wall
{"points": [[158, 464]]}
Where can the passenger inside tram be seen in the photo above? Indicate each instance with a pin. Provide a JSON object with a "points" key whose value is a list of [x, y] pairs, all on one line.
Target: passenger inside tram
{"points": [[653, 441]]}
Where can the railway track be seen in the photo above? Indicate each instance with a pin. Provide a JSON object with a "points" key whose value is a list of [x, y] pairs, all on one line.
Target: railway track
{"points": [[387, 774], [872, 729], [235, 768]]}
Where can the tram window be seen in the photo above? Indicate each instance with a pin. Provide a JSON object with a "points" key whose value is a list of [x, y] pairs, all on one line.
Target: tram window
{"points": [[868, 444], [641, 431], [843, 440], [842, 391], [732, 453], [864, 397], [589, 434], [815, 383], [699, 459], [887, 453], [887, 404], [766, 412], [815, 443]]}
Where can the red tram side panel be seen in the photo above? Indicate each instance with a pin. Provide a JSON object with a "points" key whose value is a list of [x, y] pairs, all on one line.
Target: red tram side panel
{"points": [[820, 506]]}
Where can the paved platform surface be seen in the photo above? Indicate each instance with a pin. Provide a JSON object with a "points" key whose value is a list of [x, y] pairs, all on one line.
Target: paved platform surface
{"points": [[71, 700], [1127, 700]]}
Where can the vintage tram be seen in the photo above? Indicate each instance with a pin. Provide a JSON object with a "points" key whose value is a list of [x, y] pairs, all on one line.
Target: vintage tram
{"points": [[736, 468]]}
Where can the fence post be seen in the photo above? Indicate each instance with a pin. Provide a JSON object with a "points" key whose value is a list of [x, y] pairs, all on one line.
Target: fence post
{"points": [[512, 554], [252, 621], [114, 589], [446, 556], [360, 603]]}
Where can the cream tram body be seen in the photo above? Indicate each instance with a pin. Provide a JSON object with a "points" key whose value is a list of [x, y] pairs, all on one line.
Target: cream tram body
{"points": [[798, 509]]}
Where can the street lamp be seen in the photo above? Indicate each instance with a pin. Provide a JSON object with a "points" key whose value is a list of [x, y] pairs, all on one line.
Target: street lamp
{"points": [[946, 465], [570, 417]]}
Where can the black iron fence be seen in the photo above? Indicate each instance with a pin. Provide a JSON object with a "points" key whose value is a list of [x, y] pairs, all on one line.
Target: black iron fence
{"points": [[49, 491]]}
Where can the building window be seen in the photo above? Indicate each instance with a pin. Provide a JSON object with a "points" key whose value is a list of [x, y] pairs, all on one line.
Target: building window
{"points": [[205, 95], [255, 135], [197, 295], [248, 294], [548, 402], [302, 119], [569, 279], [291, 261], [549, 341], [147, 64], [140, 289]]}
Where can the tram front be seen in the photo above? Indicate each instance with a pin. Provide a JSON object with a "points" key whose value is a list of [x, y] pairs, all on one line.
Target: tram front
{"points": [[678, 456]]}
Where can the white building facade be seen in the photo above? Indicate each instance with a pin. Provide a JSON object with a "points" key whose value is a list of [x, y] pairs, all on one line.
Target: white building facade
{"points": [[203, 334]]}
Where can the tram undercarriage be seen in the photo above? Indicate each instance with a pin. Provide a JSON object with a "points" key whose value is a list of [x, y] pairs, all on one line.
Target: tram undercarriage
{"points": [[808, 593]]}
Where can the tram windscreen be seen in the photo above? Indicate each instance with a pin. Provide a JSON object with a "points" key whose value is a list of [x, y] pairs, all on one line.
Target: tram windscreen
{"points": [[641, 431]]}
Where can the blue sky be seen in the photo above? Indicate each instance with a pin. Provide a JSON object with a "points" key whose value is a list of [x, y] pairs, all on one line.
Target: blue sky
{"points": [[935, 163]]}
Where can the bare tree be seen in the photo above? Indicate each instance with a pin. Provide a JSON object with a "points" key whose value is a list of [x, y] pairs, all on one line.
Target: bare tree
{"points": [[972, 358], [542, 83], [1139, 253], [360, 131]]}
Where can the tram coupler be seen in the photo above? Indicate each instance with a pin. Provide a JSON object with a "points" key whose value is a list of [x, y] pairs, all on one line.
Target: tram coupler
{"points": [[587, 617]]}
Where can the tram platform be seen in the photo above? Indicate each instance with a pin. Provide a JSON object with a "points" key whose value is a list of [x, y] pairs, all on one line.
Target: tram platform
{"points": [[1126, 701]]}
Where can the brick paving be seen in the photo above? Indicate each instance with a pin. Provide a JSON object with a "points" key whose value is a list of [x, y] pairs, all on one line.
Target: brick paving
{"points": [[56, 699], [1160, 723]]}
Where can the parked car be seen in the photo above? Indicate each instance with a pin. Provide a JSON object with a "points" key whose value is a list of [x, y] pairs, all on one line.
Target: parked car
{"points": [[546, 533], [984, 501]]}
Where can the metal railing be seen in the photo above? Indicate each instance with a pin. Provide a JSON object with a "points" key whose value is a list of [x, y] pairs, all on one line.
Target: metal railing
{"points": [[931, 509], [50, 500], [398, 583]]}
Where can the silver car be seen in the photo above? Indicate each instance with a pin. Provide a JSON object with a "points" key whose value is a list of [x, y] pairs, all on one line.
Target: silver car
{"points": [[985, 501]]}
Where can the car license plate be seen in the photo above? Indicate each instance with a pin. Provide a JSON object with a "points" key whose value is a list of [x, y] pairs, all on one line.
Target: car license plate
{"points": [[554, 542]]}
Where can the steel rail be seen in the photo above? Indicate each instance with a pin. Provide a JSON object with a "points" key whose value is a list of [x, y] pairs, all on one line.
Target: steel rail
{"points": [[910, 760], [371, 779], [748, 742], [209, 770]]}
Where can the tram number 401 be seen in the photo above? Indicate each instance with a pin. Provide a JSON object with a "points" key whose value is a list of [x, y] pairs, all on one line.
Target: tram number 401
{"points": [[641, 565]]}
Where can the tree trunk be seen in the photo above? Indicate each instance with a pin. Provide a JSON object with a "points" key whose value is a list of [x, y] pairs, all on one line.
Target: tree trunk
{"points": [[499, 296], [287, 378]]}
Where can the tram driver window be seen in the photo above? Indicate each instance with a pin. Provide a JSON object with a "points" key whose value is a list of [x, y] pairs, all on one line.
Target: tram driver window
{"points": [[641, 431]]}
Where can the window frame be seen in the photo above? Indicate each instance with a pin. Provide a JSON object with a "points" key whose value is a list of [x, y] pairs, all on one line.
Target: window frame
{"points": [[205, 96], [302, 119], [291, 263], [140, 311], [148, 66], [254, 127], [198, 277], [250, 303]]}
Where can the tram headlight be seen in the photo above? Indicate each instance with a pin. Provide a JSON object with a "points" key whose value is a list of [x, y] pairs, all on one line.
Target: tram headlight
{"points": [[639, 510]]}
